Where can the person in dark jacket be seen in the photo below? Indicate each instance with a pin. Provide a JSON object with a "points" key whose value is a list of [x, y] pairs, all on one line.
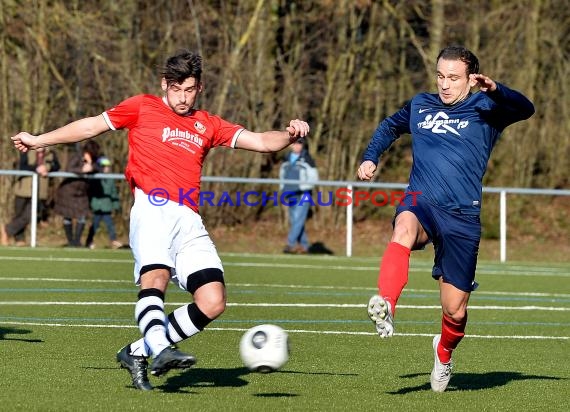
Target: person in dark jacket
{"points": [[42, 162], [104, 200], [71, 199]]}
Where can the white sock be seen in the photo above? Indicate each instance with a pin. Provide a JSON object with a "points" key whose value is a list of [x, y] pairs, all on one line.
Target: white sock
{"points": [[149, 312]]}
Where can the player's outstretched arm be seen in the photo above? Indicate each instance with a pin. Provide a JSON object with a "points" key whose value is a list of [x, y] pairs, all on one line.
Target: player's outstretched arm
{"points": [[73, 132], [272, 141]]}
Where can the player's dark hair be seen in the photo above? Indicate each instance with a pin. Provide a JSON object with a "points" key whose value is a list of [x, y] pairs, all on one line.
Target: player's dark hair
{"points": [[182, 65], [462, 54]]}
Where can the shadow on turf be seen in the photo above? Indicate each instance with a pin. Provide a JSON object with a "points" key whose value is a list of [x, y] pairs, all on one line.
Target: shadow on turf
{"points": [[229, 377], [319, 248], [472, 381], [197, 377], [275, 395], [13, 331]]}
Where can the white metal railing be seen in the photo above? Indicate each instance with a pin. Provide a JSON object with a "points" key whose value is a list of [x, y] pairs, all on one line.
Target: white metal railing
{"points": [[348, 185]]}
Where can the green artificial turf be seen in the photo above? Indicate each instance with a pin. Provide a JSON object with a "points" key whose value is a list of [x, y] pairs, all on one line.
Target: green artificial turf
{"points": [[65, 313]]}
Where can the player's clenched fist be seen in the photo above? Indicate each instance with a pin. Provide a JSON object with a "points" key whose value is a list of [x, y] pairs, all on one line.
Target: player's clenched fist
{"points": [[23, 141], [366, 170], [298, 128]]}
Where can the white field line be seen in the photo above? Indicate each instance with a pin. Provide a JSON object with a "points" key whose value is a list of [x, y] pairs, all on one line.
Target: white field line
{"points": [[64, 259], [317, 332], [376, 260], [507, 271], [286, 305], [483, 269], [40, 279], [290, 286], [327, 287]]}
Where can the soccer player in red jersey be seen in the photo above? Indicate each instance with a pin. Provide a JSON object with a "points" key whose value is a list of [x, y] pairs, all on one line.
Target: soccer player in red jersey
{"points": [[168, 142]]}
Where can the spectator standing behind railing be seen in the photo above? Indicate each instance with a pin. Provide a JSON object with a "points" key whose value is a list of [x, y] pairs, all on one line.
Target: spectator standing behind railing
{"points": [[71, 199], [298, 165], [104, 200], [42, 162]]}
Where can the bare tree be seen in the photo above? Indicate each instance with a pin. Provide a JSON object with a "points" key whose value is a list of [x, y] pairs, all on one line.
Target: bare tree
{"points": [[343, 65]]}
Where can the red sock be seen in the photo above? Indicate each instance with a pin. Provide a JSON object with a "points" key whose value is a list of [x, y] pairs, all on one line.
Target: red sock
{"points": [[393, 273], [451, 334]]}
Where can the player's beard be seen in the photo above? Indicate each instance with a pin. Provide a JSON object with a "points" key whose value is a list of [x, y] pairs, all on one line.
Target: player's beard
{"points": [[182, 109]]}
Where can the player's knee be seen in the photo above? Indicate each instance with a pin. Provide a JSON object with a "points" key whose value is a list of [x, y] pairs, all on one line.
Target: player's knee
{"points": [[207, 287], [456, 312], [154, 276], [212, 304], [404, 235]]}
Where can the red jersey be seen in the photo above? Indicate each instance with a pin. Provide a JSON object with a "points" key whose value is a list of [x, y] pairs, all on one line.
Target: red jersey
{"points": [[166, 150]]}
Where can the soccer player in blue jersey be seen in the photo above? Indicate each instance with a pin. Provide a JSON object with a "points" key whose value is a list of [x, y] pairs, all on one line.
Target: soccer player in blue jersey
{"points": [[453, 133]]}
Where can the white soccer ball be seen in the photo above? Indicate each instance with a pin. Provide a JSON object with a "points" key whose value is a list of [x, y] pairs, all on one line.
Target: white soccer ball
{"points": [[264, 348]]}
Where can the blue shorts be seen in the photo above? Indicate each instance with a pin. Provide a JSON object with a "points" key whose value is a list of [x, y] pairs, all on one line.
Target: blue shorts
{"points": [[455, 237]]}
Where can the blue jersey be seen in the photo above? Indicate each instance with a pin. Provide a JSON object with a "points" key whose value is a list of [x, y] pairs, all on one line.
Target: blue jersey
{"points": [[451, 144]]}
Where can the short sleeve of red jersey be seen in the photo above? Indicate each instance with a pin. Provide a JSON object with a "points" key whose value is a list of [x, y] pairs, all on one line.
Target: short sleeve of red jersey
{"points": [[225, 133], [125, 114]]}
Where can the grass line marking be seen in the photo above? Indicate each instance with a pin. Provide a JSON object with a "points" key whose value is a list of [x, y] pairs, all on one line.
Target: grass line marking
{"points": [[64, 259], [287, 305], [40, 279], [482, 269], [319, 332], [289, 286]]}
